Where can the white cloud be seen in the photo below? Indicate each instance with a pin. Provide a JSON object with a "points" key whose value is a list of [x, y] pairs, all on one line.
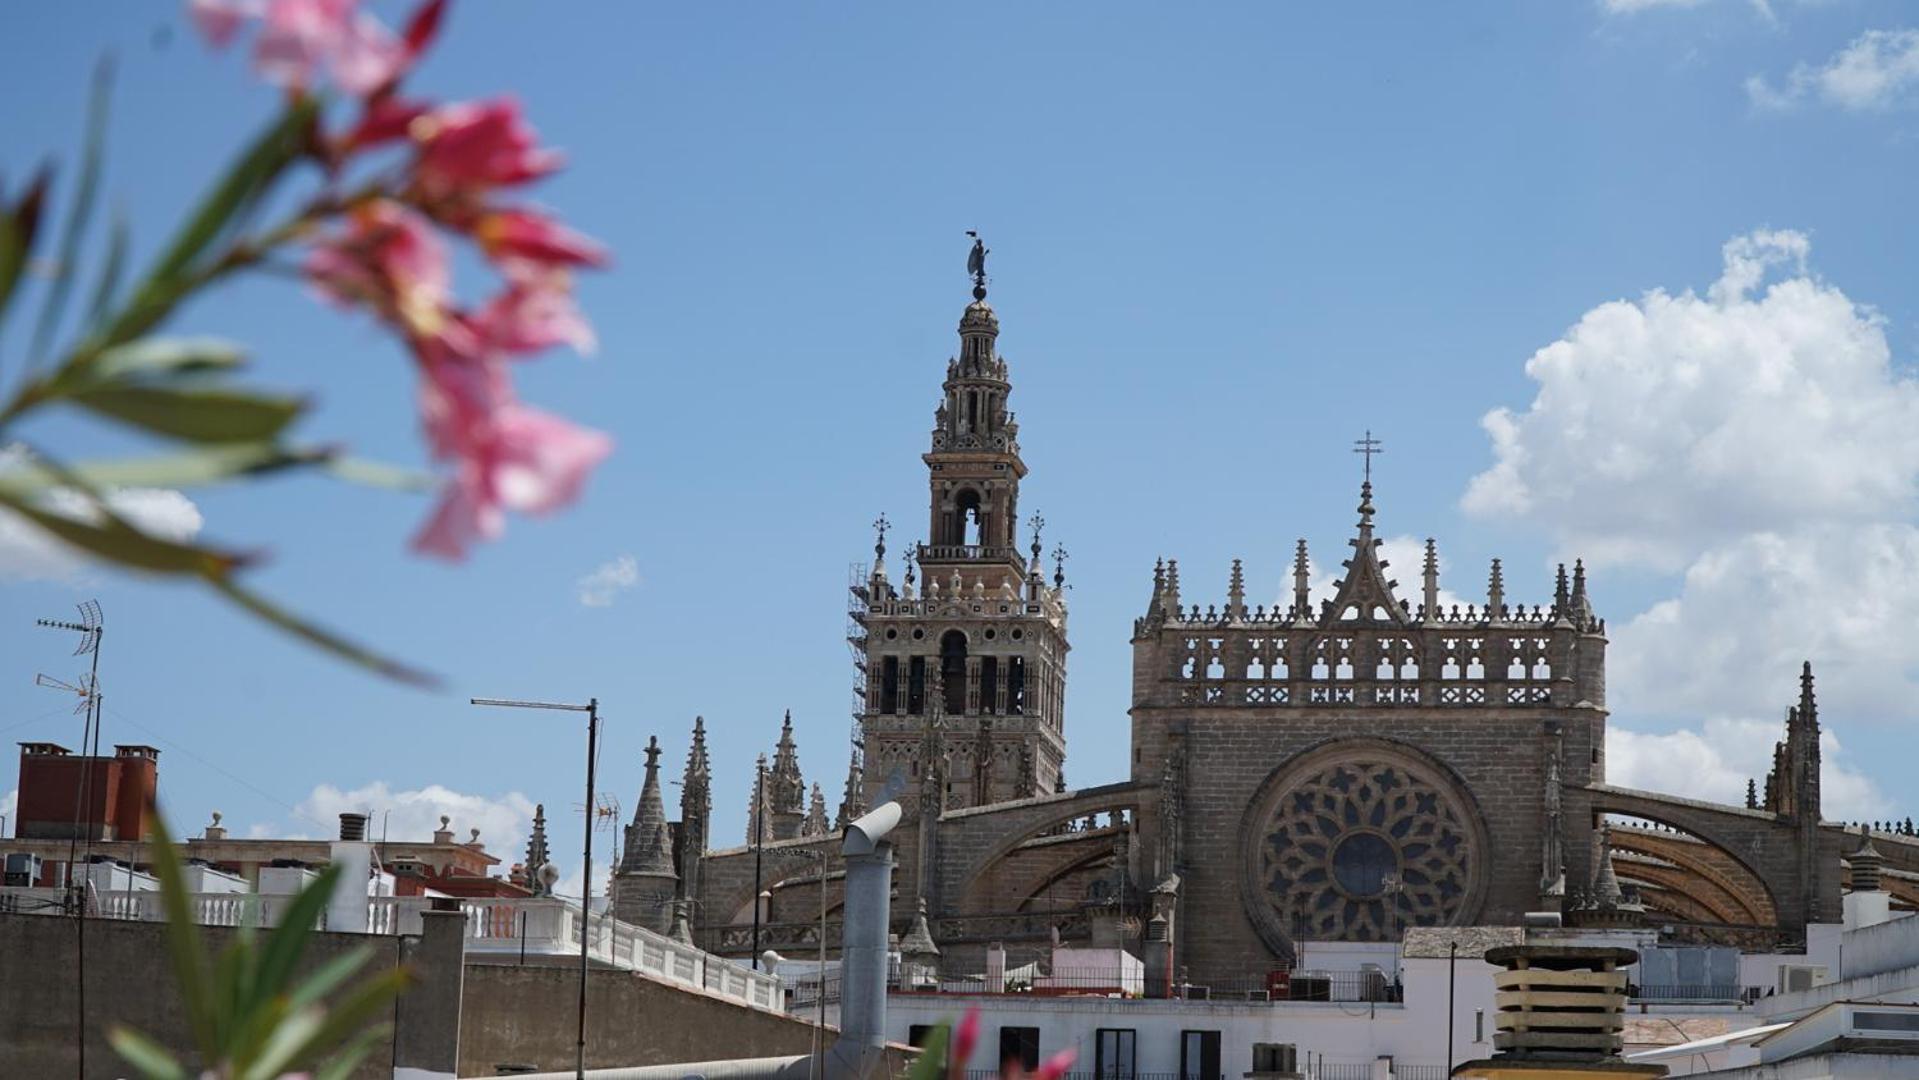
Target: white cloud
{"points": [[1747, 613], [608, 580], [1666, 425], [9, 805], [1715, 761], [1879, 69], [28, 554], [414, 814], [1758, 444]]}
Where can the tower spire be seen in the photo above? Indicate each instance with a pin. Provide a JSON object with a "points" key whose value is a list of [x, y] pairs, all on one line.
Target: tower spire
{"points": [[1496, 592], [1430, 597], [1302, 583], [853, 800], [1236, 593], [645, 881], [536, 851]]}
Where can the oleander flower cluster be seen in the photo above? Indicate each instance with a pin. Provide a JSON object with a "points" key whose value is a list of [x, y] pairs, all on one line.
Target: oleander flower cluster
{"points": [[445, 173]]}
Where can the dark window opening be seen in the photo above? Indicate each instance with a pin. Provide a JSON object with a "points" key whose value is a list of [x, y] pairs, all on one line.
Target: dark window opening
{"points": [[953, 671], [1199, 1055], [1016, 685], [1019, 1046], [889, 684], [989, 684], [916, 685]]}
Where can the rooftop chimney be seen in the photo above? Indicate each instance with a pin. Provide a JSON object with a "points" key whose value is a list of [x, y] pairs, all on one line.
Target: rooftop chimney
{"points": [[353, 826], [1561, 1011]]}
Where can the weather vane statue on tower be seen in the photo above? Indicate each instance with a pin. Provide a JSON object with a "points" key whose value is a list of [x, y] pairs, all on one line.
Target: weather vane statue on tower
{"points": [[976, 264]]}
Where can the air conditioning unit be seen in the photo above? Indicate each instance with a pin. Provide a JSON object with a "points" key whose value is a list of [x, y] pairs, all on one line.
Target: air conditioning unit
{"points": [[1259, 995], [1796, 977], [22, 869], [1199, 993]]}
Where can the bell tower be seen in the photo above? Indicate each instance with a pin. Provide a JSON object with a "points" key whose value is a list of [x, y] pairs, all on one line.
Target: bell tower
{"points": [[974, 467], [962, 666]]}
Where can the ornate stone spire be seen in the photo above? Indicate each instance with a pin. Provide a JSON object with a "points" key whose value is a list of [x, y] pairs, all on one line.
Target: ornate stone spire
{"points": [[759, 826], [815, 824], [1302, 583], [853, 801], [918, 946], [1236, 593], [645, 882], [648, 849], [1752, 794], [1172, 584], [1156, 605], [1365, 594], [1606, 891], [1552, 862], [1496, 593], [1430, 595], [1562, 596], [1582, 613], [696, 811], [536, 852], [785, 787]]}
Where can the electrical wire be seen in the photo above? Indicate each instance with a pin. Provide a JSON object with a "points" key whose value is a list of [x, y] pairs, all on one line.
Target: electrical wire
{"points": [[174, 744]]}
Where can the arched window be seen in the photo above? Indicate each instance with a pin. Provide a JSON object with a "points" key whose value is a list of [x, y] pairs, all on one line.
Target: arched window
{"points": [[953, 671], [968, 518]]}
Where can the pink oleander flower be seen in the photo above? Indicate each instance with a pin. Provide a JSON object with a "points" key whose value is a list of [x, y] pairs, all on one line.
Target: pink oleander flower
{"points": [[534, 312], [1055, 1067], [965, 1038], [301, 39], [505, 455], [390, 259], [473, 147], [518, 233]]}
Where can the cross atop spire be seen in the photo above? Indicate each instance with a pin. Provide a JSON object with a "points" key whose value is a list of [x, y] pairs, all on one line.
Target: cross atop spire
{"points": [[1368, 446], [880, 526]]}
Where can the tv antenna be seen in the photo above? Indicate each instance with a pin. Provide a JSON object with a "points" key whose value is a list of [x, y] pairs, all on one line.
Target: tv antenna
{"points": [[90, 627], [606, 812]]}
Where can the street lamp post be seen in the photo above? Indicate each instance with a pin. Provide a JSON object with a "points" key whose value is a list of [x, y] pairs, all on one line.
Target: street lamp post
{"points": [[592, 711]]}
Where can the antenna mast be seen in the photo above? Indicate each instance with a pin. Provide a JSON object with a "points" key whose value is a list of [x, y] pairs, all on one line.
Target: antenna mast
{"points": [[90, 627]]}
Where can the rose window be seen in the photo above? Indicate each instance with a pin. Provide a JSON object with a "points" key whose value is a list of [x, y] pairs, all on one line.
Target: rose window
{"points": [[1357, 843]]}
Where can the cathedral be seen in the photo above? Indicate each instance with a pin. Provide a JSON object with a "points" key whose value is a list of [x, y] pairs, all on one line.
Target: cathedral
{"points": [[1336, 769]]}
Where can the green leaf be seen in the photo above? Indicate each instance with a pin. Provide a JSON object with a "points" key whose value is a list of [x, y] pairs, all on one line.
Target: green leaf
{"points": [[18, 226], [109, 279], [79, 214], [149, 1057], [199, 467], [329, 976], [284, 1048], [346, 1018], [151, 357], [184, 943], [380, 474], [289, 939], [324, 639], [931, 1064], [244, 184], [112, 539], [196, 414], [341, 1065]]}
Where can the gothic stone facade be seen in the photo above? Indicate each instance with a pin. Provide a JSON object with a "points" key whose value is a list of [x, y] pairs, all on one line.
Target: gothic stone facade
{"points": [[1338, 770]]}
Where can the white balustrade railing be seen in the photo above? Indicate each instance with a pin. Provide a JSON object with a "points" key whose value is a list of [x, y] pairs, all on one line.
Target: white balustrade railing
{"points": [[532, 926]]}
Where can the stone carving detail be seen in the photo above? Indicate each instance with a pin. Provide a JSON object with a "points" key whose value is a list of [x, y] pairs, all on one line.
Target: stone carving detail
{"points": [[1358, 841]]}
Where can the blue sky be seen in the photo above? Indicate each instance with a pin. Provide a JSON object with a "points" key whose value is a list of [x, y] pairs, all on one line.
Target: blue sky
{"points": [[1226, 239]]}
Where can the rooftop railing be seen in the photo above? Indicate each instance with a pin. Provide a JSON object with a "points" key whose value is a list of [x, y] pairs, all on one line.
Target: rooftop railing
{"points": [[524, 927]]}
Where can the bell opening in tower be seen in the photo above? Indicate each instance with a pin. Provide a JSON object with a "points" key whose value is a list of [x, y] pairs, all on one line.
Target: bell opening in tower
{"points": [[953, 671]]}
